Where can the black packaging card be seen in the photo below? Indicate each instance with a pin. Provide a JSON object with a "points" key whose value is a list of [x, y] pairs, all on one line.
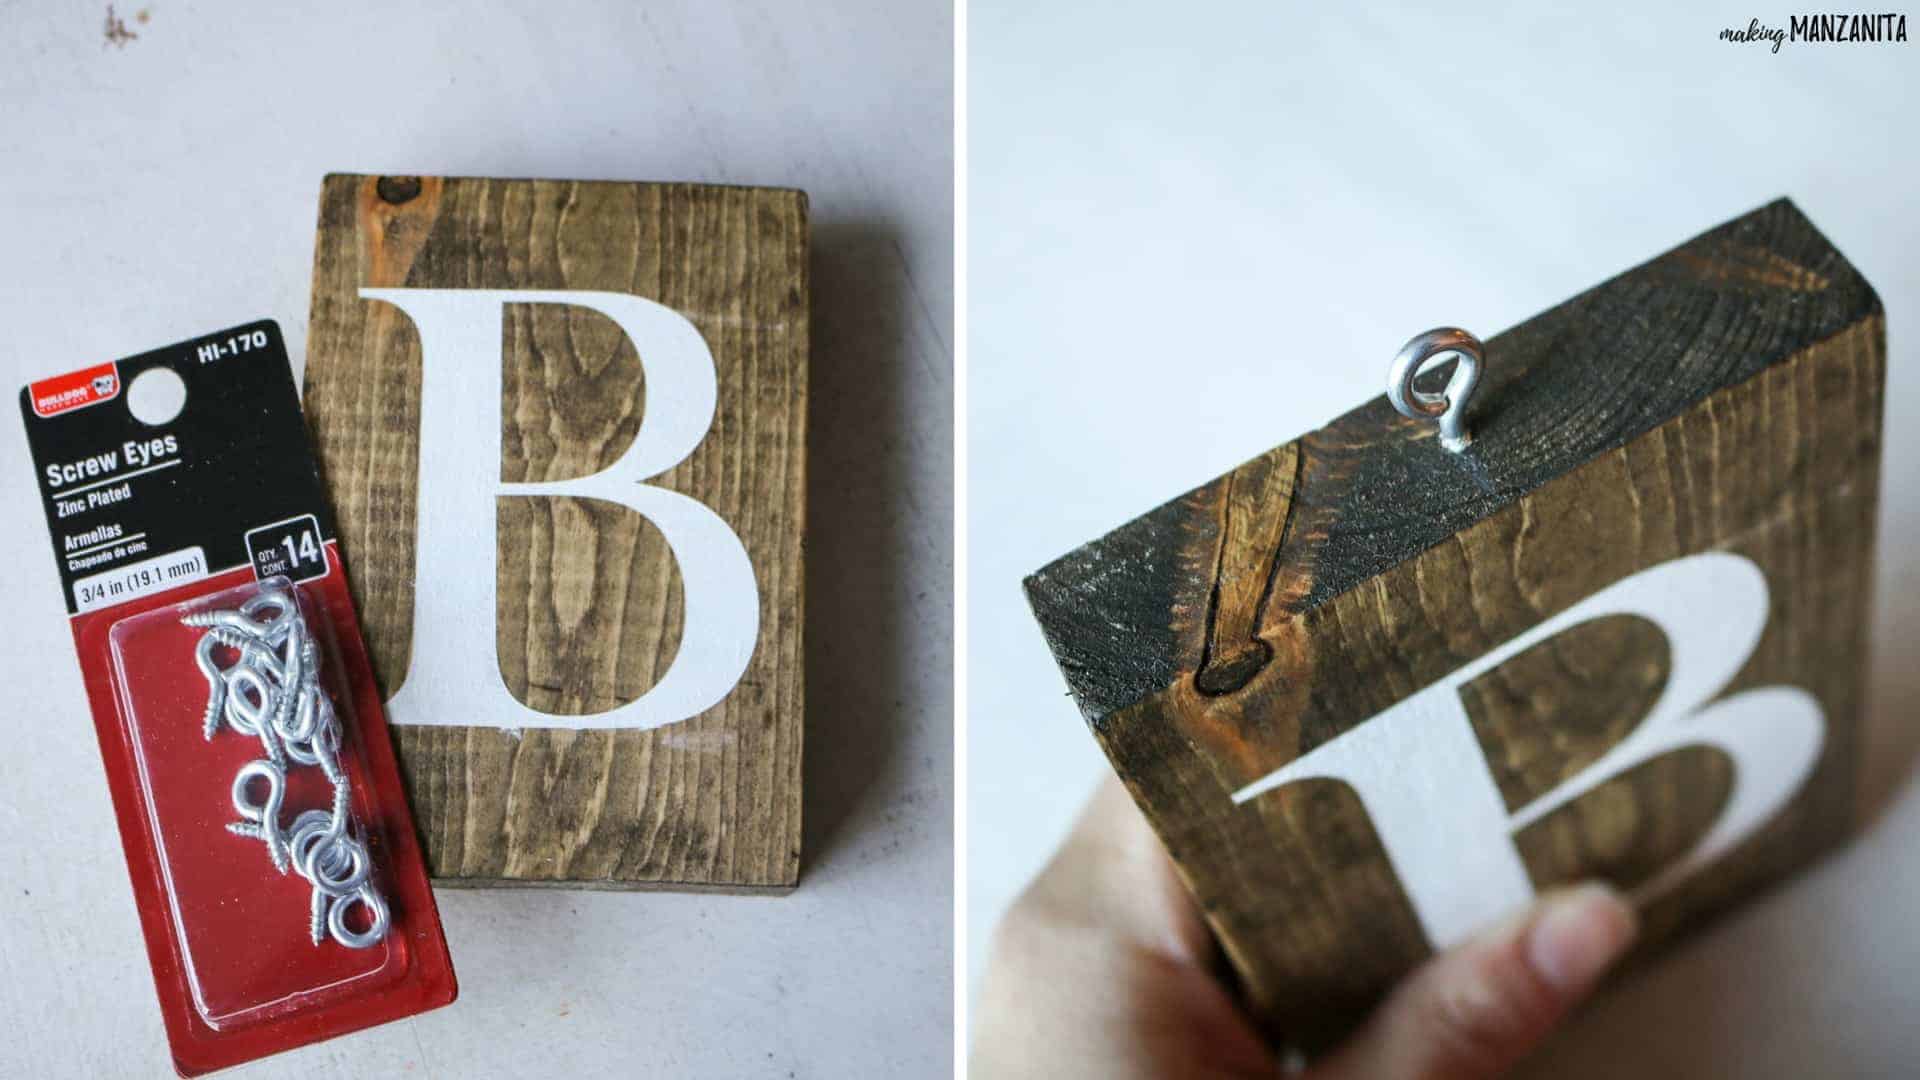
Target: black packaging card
{"points": [[176, 464]]}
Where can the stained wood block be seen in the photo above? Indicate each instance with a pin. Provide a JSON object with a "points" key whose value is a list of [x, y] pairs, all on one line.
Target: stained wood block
{"points": [[580, 596], [1370, 693]]}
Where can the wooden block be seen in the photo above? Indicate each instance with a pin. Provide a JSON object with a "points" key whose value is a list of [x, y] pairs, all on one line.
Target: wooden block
{"points": [[540, 763], [1370, 692]]}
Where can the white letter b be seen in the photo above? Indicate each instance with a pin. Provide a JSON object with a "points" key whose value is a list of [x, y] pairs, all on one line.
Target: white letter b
{"points": [[1425, 783], [454, 677]]}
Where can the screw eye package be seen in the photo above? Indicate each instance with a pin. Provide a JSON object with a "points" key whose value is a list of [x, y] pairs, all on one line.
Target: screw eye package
{"points": [[278, 877]]}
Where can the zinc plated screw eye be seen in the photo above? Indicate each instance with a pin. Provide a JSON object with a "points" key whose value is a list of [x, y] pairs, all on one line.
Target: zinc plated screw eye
{"points": [[231, 620], [264, 815], [216, 683], [248, 718], [374, 933], [1449, 405]]}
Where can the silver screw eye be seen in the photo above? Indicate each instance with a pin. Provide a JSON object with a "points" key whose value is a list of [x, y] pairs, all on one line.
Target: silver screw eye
{"points": [[268, 808], [375, 933], [244, 714], [265, 813], [340, 866], [1449, 405], [216, 684]]}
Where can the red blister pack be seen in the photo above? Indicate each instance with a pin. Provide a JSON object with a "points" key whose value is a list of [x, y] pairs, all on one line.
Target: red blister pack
{"points": [[279, 881]]}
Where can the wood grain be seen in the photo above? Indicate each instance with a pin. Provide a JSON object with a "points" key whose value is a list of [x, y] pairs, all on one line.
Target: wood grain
{"points": [[588, 597], [1725, 396]]}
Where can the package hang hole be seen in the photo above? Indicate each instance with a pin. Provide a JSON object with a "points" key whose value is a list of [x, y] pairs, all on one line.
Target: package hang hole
{"points": [[156, 396]]}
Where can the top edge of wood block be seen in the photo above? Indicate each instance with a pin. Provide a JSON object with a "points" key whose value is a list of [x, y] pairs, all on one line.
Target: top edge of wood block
{"points": [[1373, 489], [351, 179]]}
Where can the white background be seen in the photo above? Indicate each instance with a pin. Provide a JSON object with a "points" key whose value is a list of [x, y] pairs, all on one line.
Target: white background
{"points": [[1193, 237], [169, 187]]}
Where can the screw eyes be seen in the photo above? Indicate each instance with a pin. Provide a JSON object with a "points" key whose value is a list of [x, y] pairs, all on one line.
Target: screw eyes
{"points": [[271, 691]]}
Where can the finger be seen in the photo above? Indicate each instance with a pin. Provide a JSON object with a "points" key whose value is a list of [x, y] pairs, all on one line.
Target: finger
{"points": [[1476, 1010]]}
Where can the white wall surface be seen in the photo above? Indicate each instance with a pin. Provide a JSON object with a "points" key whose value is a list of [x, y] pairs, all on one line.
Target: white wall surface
{"points": [[169, 187], [1197, 231]]}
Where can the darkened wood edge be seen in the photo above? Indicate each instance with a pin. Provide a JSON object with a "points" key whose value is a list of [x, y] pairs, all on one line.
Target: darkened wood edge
{"points": [[1374, 489]]}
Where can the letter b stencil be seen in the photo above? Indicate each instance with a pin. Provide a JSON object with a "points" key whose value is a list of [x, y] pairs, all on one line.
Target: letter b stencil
{"points": [[455, 658], [1423, 777]]}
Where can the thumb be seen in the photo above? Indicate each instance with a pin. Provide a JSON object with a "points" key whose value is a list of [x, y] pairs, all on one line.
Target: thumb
{"points": [[1474, 1011]]}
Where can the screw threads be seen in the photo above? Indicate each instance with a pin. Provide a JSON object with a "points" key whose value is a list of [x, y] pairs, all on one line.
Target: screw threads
{"points": [[317, 919]]}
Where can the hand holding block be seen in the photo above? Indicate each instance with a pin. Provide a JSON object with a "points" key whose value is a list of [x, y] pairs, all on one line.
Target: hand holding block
{"points": [[564, 426], [1373, 694]]}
